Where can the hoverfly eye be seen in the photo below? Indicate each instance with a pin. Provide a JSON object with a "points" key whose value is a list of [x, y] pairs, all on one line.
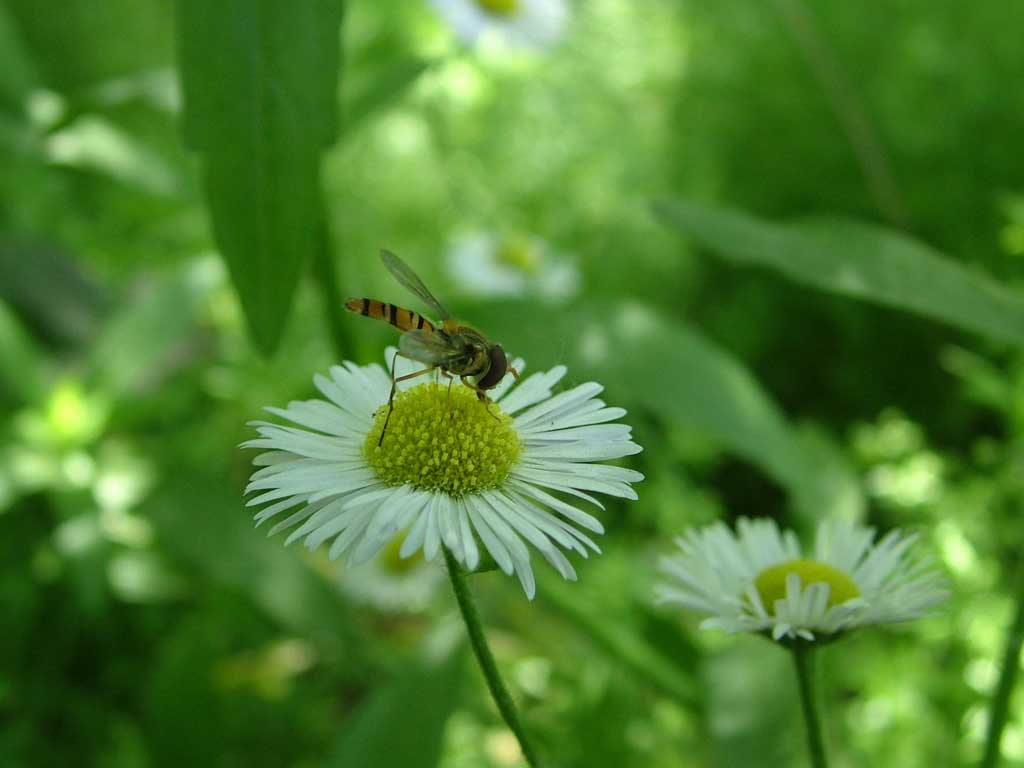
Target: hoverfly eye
{"points": [[499, 366]]}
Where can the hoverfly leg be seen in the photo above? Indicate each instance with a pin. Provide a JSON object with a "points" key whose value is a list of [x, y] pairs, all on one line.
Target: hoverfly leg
{"points": [[394, 387], [514, 372], [391, 399], [481, 395], [487, 405]]}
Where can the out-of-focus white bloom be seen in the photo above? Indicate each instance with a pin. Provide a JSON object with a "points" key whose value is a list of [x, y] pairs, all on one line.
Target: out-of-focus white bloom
{"points": [[485, 265], [524, 23], [390, 582], [758, 580], [450, 471]]}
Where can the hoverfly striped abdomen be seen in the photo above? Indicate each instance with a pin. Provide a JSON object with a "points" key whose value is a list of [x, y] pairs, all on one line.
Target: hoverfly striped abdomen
{"points": [[403, 319]]}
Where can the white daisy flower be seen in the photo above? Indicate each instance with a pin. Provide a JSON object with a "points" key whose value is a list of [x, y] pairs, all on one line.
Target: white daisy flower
{"points": [[485, 265], [759, 580], [450, 471], [525, 23]]}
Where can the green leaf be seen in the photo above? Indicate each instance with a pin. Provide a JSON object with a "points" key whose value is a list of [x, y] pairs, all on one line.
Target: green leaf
{"points": [[17, 72], [260, 81], [201, 522], [834, 489], [851, 258], [94, 143], [402, 725], [22, 369], [137, 345], [46, 286]]}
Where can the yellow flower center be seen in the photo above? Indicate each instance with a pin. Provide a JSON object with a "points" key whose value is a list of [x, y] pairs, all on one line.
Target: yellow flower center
{"points": [[771, 582], [441, 439], [499, 7], [520, 253]]}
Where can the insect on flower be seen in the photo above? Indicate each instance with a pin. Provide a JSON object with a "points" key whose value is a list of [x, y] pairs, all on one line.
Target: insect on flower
{"points": [[454, 348]]}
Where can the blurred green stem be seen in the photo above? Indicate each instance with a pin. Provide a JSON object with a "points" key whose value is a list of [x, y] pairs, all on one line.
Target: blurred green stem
{"points": [[804, 662], [1007, 679], [484, 657], [327, 278]]}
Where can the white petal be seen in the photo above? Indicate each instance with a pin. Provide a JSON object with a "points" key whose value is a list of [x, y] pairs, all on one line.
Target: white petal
{"points": [[532, 390], [322, 416], [414, 539], [448, 522], [564, 481], [275, 509], [591, 433], [517, 550], [472, 554], [432, 543], [511, 515], [389, 520], [566, 510], [582, 451], [582, 417], [357, 524], [499, 552], [549, 409]]}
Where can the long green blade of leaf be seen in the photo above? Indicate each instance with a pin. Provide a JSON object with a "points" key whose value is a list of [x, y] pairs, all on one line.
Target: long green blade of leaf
{"points": [[260, 84], [17, 71], [860, 260]]}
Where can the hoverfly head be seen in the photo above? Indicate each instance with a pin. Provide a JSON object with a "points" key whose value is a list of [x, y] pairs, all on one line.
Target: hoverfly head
{"points": [[498, 367]]}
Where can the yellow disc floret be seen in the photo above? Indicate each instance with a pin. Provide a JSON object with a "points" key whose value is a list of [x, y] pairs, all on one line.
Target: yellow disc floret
{"points": [[499, 7], [519, 253], [441, 439], [771, 582]]}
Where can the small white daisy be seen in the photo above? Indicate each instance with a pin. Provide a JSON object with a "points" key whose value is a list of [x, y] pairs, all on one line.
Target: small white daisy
{"points": [[758, 579], [486, 265], [450, 470], [525, 23]]}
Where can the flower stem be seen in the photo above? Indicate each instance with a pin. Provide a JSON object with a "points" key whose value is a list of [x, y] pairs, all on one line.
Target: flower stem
{"points": [[1007, 679], [805, 680], [484, 657]]}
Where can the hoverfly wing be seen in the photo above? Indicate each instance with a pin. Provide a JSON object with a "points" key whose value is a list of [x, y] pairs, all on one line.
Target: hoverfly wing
{"points": [[404, 274], [429, 347]]}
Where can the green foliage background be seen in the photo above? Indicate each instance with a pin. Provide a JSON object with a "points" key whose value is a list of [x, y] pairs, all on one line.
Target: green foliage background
{"points": [[798, 229]]}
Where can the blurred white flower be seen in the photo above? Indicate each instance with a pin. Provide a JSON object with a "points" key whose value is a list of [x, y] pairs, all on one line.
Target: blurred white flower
{"points": [[758, 580], [450, 472], [390, 582], [523, 23], [485, 265]]}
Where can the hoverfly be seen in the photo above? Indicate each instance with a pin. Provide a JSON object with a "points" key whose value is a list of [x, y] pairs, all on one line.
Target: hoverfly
{"points": [[451, 346]]}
